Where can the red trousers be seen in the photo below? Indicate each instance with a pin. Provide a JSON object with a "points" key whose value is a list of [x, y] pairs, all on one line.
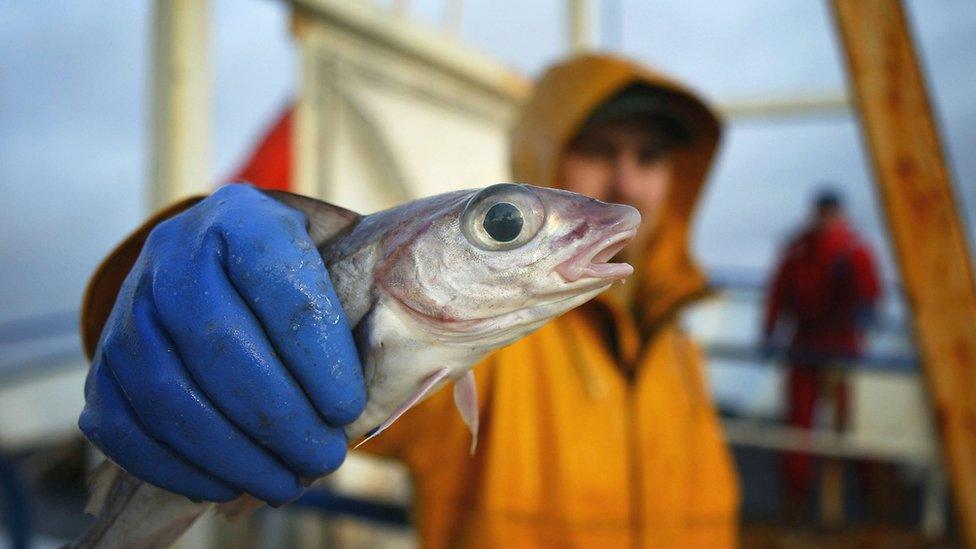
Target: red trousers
{"points": [[809, 384]]}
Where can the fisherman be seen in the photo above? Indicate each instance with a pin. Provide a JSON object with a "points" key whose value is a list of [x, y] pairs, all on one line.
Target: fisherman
{"points": [[820, 301], [597, 430]]}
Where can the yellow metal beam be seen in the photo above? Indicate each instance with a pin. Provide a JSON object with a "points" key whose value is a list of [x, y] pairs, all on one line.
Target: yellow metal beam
{"points": [[931, 248]]}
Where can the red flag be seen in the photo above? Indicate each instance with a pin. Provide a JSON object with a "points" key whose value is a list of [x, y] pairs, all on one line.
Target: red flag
{"points": [[269, 165]]}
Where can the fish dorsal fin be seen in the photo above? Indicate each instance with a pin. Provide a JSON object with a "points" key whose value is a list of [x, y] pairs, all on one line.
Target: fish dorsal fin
{"points": [[325, 220], [425, 386], [466, 400]]}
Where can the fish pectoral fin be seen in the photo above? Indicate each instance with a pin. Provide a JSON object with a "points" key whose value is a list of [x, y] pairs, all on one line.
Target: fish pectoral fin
{"points": [[466, 400], [425, 386]]}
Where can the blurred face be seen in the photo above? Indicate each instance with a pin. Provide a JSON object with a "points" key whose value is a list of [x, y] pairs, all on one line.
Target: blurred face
{"points": [[824, 216], [626, 161]]}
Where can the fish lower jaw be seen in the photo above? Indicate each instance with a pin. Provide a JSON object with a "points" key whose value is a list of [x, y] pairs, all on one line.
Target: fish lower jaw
{"points": [[611, 271], [591, 261], [487, 334], [472, 335], [483, 335]]}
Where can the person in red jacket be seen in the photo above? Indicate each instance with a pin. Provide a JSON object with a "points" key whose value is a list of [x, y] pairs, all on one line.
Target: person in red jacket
{"points": [[820, 301]]}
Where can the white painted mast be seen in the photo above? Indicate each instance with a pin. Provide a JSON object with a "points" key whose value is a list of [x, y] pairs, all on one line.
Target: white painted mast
{"points": [[181, 139], [583, 26]]}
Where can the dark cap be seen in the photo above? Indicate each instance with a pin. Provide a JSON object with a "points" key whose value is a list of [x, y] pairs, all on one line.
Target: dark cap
{"points": [[643, 102]]}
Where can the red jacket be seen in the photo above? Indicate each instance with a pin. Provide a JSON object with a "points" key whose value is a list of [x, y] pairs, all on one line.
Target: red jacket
{"points": [[827, 284]]}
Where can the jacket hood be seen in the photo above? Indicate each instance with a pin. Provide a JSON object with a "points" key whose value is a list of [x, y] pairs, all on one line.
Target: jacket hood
{"points": [[562, 102]]}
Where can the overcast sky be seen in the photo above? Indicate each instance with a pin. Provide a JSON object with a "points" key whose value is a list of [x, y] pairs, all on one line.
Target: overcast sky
{"points": [[74, 97]]}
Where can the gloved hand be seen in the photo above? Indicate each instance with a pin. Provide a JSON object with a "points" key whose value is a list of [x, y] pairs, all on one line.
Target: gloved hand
{"points": [[227, 364]]}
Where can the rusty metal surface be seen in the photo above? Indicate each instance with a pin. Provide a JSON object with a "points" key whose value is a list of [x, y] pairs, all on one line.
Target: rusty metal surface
{"points": [[916, 190]]}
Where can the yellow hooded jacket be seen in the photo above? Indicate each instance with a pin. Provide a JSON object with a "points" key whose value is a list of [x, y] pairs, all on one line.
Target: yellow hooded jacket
{"points": [[579, 445]]}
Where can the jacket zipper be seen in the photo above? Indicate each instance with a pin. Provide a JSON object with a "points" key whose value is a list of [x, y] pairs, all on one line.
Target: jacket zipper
{"points": [[594, 386], [636, 478]]}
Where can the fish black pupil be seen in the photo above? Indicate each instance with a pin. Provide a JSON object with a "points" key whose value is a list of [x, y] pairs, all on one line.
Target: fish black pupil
{"points": [[503, 222]]}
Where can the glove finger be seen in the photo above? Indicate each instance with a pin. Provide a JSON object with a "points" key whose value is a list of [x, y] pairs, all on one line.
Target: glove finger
{"points": [[226, 351], [281, 276], [175, 411], [110, 424]]}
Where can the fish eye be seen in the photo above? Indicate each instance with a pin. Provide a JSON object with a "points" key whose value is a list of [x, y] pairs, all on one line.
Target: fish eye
{"points": [[503, 222], [502, 217]]}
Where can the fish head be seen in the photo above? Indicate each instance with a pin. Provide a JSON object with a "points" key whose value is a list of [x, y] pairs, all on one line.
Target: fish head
{"points": [[492, 265]]}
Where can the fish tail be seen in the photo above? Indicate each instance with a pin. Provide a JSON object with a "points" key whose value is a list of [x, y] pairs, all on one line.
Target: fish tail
{"points": [[132, 513]]}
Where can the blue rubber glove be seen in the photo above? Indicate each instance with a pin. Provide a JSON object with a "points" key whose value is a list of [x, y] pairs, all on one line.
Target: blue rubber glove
{"points": [[227, 364]]}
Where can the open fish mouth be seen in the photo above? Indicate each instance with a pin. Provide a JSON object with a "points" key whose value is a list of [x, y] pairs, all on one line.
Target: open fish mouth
{"points": [[592, 261]]}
